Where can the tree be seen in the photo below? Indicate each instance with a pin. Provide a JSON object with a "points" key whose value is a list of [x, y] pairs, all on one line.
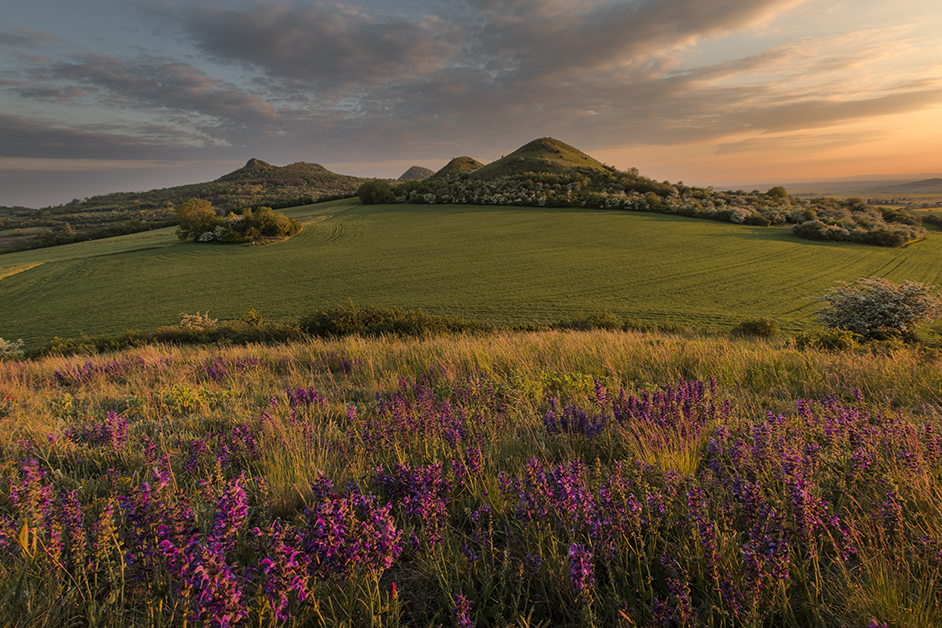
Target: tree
{"points": [[196, 217], [878, 308], [375, 192]]}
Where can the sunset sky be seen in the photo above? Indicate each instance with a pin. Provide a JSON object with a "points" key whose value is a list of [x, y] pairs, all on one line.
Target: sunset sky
{"points": [[114, 95]]}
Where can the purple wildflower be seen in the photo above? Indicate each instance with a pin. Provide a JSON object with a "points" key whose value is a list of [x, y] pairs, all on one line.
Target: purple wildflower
{"points": [[581, 572], [463, 611]]}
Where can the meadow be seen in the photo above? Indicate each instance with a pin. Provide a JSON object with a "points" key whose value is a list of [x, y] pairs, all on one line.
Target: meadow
{"points": [[503, 265], [526, 479]]}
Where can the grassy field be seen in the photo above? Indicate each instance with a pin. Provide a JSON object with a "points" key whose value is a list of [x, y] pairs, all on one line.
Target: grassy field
{"points": [[498, 264]]}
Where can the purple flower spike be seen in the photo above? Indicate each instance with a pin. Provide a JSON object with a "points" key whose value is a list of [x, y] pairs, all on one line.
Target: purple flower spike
{"points": [[580, 569], [463, 612]]}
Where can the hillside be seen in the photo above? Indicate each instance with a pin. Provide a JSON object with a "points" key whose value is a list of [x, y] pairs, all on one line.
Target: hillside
{"points": [[544, 156], [416, 173], [926, 186], [458, 165], [256, 184]]}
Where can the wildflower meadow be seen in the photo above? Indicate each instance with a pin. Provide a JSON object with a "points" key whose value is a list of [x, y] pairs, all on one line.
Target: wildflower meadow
{"points": [[559, 478]]}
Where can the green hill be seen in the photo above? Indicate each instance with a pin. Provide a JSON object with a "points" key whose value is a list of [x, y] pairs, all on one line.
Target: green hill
{"points": [[458, 165], [545, 155]]}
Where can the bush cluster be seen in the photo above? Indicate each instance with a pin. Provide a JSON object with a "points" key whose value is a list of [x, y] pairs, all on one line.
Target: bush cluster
{"points": [[200, 222]]}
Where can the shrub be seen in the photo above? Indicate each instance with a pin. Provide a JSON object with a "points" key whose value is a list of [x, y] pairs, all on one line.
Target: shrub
{"points": [[758, 327], [877, 308], [375, 321], [10, 348], [828, 340], [757, 220], [197, 321], [375, 192], [596, 320]]}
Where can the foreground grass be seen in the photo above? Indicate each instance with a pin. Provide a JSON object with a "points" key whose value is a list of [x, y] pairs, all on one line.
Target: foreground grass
{"points": [[503, 265], [594, 479]]}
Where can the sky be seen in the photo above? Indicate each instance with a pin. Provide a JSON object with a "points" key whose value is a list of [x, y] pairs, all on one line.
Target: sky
{"points": [[99, 96]]}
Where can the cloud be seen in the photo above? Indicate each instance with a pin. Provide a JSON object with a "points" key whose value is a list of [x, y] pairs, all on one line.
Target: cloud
{"points": [[160, 82], [464, 77], [797, 143], [31, 91], [28, 38], [816, 113], [322, 46], [31, 139]]}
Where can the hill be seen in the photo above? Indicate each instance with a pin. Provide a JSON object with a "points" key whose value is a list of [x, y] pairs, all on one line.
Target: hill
{"points": [[544, 156], [256, 170], [458, 165], [416, 173], [256, 184], [926, 186]]}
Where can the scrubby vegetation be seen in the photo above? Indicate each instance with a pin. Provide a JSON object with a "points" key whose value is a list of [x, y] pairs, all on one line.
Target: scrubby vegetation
{"points": [[542, 479]]}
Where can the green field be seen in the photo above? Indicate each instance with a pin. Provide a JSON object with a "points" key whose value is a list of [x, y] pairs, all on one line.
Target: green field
{"points": [[498, 264]]}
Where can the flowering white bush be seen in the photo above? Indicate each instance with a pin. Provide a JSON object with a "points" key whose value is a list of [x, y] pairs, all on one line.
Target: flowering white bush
{"points": [[10, 348], [873, 306], [197, 321]]}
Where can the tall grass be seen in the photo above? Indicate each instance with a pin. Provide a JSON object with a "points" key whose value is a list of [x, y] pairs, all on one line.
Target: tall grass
{"points": [[531, 479]]}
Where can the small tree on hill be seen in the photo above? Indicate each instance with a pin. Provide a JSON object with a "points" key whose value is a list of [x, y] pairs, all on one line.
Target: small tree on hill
{"points": [[878, 308], [376, 191]]}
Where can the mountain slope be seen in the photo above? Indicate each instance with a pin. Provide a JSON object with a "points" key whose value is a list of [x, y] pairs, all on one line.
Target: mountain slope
{"points": [[544, 155]]}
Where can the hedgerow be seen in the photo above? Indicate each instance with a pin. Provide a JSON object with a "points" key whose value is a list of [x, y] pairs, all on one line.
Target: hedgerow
{"points": [[818, 219]]}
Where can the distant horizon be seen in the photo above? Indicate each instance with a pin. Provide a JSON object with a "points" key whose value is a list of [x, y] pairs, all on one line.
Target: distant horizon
{"points": [[761, 185]]}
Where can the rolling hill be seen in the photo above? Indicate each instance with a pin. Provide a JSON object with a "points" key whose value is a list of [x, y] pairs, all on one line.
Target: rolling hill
{"points": [[544, 156], [926, 186], [458, 165]]}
